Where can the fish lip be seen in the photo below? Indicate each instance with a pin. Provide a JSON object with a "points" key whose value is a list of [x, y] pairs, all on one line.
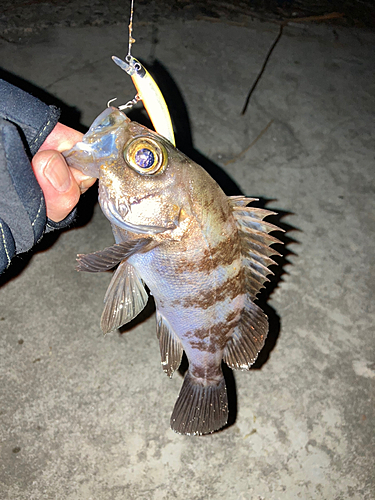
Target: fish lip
{"points": [[81, 157], [98, 143], [114, 213]]}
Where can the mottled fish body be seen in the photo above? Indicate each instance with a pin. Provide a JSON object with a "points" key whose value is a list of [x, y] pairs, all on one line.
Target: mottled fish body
{"points": [[203, 255]]}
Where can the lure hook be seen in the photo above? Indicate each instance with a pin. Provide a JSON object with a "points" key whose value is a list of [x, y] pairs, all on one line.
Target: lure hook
{"points": [[128, 105]]}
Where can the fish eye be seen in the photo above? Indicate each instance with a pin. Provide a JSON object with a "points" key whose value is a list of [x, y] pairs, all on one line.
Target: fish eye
{"points": [[145, 155]]}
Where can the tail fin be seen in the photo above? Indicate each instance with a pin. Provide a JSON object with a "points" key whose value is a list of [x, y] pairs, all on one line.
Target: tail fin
{"points": [[200, 409]]}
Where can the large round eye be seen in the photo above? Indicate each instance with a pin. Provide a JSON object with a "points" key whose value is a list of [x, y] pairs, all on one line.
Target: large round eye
{"points": [[145, 155]]}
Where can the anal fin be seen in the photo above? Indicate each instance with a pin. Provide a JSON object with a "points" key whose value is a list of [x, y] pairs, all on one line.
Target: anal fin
{"points": [[125, 298], [200, 409], [248, 338], [171, 349]]}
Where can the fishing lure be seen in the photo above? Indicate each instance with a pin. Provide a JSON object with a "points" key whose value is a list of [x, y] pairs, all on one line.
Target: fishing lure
{"points": [[150, 94], [147, 90]]}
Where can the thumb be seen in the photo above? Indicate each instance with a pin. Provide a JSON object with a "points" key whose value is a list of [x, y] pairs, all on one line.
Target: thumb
{"points": [[61, 191]]}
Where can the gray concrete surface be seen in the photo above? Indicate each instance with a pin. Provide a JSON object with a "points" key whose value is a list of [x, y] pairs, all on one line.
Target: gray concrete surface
{"points": [[87, 417]]}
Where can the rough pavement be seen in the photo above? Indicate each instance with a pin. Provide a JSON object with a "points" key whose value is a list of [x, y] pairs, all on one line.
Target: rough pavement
{"points": [[87, 417]]}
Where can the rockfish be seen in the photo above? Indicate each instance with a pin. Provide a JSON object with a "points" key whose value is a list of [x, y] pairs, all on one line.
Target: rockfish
{"points": [[204, 257]]}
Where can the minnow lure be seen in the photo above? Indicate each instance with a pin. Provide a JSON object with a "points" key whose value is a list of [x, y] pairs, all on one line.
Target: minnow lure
{"points": [[150, 94], [147, 90]]}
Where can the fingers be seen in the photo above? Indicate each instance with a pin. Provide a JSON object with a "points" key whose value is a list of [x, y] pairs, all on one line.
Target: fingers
{"points": [[83, 181], [60, 187], [61, 138]]}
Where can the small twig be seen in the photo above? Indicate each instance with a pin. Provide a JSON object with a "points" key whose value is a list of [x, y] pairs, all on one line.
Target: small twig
{"points": [[263, 68], [332, 15], [324, 17], [251, 145]]}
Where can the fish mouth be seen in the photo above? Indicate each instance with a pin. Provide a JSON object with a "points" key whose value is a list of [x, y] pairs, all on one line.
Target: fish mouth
{"points": [[81, 157], [117, 217], [99, 144], [116, 213]]}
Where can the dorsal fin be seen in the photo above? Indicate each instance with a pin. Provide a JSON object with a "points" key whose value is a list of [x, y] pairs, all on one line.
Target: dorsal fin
{"points": [[171, 349], [125, 298], [248, 338], [240, 201], [255, 242], [250, 334]]}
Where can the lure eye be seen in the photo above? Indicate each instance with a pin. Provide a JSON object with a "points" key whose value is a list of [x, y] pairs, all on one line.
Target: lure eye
{"points": [[145, 155]]}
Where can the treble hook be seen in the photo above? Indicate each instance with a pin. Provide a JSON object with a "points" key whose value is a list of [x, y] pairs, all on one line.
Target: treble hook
{"points": [[128, 105]]}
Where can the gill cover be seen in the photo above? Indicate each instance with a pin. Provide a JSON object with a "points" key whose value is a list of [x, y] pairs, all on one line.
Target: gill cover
{"points": [[150, 95]]}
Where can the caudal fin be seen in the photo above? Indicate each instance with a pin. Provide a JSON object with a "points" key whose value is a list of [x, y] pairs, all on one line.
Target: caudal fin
{"points": [[200, 409]]}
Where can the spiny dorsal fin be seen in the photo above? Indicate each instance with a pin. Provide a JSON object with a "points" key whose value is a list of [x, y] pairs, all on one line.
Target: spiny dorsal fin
{"points": [[248, 338], [250, 334], [170, 345], [240, 201], [106, 259], [125, 298], [255, 242]]}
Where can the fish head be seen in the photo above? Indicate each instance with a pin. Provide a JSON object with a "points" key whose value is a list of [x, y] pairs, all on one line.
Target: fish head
{"points": [[139, 172]]}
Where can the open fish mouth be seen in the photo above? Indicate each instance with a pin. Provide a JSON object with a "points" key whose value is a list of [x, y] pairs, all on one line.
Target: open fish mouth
{"points": [[99, 144], [112, 212], [81, 157]]}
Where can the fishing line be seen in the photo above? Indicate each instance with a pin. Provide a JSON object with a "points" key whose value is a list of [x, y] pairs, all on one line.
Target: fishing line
{"points": [[131, 39], [128, 57]]}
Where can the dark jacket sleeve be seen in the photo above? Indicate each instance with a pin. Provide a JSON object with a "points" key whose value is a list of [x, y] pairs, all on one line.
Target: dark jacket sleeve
{"points": [[25, 123]]}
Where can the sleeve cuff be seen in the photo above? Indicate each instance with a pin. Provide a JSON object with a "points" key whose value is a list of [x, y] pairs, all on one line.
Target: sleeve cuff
{"points": [[34, 117], [52, 226]]}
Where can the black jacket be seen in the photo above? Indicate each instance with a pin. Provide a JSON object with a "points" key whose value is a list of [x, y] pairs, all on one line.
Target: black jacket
{"points": [[25, 123]]}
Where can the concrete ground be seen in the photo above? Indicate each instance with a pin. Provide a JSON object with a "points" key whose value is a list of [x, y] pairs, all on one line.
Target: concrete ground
{"points": [[87, 417]]}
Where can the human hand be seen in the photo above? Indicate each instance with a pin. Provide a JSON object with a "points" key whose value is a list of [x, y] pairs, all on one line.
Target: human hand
{"points": [[61, 185]]}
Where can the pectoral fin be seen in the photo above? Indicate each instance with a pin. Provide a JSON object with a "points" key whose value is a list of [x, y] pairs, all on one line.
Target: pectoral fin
{"points": [[125, 298], [106, 259]]}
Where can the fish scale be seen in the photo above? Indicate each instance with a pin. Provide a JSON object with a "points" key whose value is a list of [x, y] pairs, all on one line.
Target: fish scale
{"points": [[204, 257]]}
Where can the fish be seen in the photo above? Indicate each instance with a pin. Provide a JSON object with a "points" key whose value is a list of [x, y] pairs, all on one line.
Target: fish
{"points": [[203, 255]]}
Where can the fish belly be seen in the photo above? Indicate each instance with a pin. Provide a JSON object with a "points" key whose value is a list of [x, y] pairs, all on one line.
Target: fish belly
{"points": [[200, 292]]}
